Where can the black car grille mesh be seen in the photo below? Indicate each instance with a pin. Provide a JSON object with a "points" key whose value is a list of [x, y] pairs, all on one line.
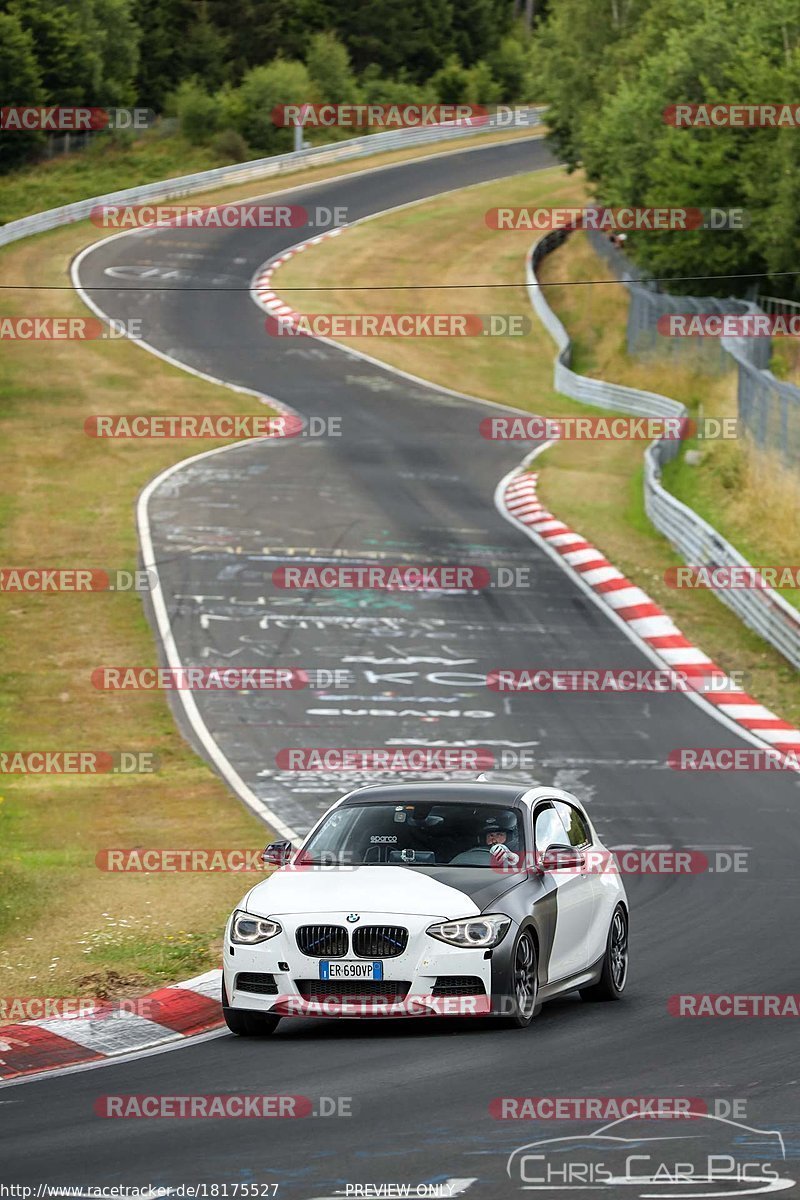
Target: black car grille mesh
{"points": [[260, 985], [322, 941], [353, 989], [458, 985], [379, 941]]}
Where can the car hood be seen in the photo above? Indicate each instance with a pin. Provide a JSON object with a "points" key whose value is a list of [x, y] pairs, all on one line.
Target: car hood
{"points": [[444, 892]]}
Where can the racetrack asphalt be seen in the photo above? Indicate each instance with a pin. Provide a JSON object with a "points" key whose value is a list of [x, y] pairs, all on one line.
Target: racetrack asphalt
{"points": [[410, 479]]}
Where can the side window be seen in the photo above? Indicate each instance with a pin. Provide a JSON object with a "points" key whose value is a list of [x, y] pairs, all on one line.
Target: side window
{"points": [[575, 825], [548, 829]]}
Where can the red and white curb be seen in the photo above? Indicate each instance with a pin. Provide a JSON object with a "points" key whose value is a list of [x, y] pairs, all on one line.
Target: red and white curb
{"points": [[175, 1012], [644, 618], [261, 286]]}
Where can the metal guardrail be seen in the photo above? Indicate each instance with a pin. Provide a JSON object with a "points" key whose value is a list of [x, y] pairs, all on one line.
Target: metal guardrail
{"points": [[263, 168], [761, 609], [768, 407], [775, 305]]}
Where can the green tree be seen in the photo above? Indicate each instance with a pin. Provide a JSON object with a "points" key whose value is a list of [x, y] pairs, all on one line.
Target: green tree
{"points": [[161, 64], [206, 49], [575, 59], [67, 39], [609, 83], [451, 82], [197, 111], [415, 36], [118, 36], [20, 83], [478, 27], [377, 89], [481, 85], [328, 65], [249, 108], [259, 31], [511, 67]]}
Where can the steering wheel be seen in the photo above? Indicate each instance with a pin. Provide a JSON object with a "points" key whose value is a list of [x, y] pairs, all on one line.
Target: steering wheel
{"points": [[476, 857]]}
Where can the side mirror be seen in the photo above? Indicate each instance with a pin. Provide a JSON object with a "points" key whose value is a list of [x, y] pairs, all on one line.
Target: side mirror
{"points": [[562, 858], [277, 853]]}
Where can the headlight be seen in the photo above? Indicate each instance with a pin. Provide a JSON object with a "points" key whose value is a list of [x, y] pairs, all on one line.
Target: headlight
{"points": [[472, 931], [247, 930]]}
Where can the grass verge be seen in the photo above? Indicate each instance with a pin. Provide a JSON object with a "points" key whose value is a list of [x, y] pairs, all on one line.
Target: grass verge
{"points": [[594, 486]]}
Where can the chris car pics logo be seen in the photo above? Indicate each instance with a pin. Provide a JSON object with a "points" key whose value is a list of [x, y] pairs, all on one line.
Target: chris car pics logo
{"points": [[639, 1156]]}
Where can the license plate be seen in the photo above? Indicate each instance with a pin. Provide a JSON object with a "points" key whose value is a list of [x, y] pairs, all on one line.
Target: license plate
{"points": [[350, 970]]}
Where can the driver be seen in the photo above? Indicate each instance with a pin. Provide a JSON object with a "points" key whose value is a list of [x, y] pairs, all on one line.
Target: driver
{"points": [[500, 835]]}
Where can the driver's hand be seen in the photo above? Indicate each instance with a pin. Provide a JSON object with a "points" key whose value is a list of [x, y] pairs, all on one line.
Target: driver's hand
{"points": [[503, 856]]}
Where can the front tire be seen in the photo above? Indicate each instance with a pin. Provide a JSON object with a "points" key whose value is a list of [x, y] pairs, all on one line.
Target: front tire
{"points": [[245, 1023], [524, 983], [614, 976]]}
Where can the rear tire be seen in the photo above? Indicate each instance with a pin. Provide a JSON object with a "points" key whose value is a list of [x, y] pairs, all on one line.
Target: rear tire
{"points": [[524, 980], [245, 1023], [611, 983]]}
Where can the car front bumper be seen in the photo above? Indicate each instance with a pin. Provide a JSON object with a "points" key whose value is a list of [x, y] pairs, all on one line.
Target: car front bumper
{"points": [[426, 979]]}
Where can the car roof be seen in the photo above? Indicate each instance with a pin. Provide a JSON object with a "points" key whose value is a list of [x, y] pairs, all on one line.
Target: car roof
{"points": [[444, 792], [441, 792], [479, 791]]}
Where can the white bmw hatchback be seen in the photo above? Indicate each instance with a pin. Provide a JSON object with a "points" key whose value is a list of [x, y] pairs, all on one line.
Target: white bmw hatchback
{"points": [[441, 899]]}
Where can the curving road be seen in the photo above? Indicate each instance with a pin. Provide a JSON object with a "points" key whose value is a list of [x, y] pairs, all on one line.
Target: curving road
{"points": [[410, 479]]}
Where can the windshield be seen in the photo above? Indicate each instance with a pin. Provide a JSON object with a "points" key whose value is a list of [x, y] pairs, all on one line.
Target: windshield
{"points": [[420, 834]]}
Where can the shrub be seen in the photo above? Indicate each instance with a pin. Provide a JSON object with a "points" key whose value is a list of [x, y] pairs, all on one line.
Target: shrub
{"points": [[196, 111], [230, 146]]}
